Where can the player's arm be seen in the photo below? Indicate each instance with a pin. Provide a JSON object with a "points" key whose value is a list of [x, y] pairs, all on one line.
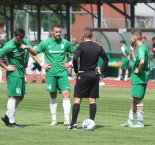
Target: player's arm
{"points": [[105, 61], [68, 64], [42, 64], [5, 50], [7, 67], [31, 50], [140, 67], [123, 52], [75, 59], [132, 48]]}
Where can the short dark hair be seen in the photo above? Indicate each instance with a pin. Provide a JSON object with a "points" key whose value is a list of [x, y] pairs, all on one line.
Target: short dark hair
{"points": [[55, 26], [138, 33], [122, 41], [19, 32], [153, 38], [87, 32]]}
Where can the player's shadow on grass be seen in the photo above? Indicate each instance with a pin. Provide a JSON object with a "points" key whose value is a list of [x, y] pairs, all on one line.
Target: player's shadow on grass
{"points": [[147, 125], [27, 125]]}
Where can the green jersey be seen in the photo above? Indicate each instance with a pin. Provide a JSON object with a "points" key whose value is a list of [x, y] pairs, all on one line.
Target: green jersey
{"points": [[142, 77], [126, 50], [55, 51], [16, 56]]}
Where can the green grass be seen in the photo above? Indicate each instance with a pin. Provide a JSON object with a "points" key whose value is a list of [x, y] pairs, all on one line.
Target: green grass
{"points": [[113, 107]]}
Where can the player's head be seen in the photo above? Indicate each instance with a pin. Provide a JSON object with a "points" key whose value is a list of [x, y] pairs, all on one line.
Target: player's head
{"points": [[144, 39], [56, 31], [122, 42], [136, 34], [153, 39], [19, 34], [87, 33]]}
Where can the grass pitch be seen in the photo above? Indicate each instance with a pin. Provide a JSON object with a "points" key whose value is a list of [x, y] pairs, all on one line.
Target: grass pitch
{"points": [[112, 109]]}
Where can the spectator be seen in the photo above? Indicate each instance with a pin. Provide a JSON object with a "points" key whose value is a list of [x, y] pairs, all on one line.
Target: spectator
{"points": [[36, 66], [125, 61]]}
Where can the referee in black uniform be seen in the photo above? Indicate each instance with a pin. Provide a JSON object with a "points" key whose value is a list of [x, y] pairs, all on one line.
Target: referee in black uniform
{"points": [[87, 85]]}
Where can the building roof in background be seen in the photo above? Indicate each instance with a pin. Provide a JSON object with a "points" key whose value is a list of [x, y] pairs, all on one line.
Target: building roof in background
{"points": [[149, 12], [26, 2]]}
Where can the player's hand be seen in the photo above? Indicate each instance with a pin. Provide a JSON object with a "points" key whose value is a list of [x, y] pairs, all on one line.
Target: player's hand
{"points": [[128, 57], [11, 68], [65, 65], [23, 46], [136, 71], [132, 48], [46, 66]]}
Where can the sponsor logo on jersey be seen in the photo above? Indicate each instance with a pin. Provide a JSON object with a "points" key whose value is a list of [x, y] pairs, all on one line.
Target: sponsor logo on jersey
{"points": [[19, 54], [59, 51]]}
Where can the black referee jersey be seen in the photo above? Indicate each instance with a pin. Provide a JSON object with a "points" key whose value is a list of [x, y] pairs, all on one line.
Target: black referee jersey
{"points": [[88, 53]]}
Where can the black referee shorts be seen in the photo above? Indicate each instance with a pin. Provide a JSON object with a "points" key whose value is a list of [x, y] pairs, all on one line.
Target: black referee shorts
{"points": [[87, 85]]}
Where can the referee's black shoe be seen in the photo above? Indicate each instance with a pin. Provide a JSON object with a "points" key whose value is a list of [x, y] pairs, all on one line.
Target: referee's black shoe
{"points": [[14, 125], [5, 119], [72, 127]]}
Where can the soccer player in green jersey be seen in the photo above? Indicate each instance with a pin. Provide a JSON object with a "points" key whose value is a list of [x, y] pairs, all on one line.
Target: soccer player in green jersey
{"points": [[17, 62], [125, 61], [139, 79], [55, 49]]}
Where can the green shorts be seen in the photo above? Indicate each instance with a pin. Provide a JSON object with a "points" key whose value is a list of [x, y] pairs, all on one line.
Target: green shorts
{"points": [[15, 86], [125, 64], [138, 90], [54, 83]]}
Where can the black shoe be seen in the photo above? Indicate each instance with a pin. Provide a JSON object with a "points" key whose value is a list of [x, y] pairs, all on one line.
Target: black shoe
{"points": [[5, 119], [33, 81], [14, 125], [72, 127], [43, 81]]}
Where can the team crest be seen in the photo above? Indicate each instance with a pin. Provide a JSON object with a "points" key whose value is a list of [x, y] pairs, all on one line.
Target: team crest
{"points": [[62, 46]]}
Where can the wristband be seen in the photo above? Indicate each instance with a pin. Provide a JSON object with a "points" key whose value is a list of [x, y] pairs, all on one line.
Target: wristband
{"points": [[41, 64], [70, 63]]}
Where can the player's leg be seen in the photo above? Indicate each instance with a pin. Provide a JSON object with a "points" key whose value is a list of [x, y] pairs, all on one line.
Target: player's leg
{"points": [[119, 74], [1, 73], [93, 94], [42, 76], [126, 75], [66, 106], [133, 109], [53, 108], [139, 95], [34, 72], [34, 76], [51, 88], [75, 112], [92, 108], [64, 88], [16, 92], [39, 68]]}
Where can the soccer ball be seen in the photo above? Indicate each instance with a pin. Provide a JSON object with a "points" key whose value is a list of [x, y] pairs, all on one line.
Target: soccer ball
{"points": [[88, 125], [101, 84]]}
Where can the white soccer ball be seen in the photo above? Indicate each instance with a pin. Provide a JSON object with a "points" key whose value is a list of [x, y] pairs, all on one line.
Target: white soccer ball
{"points": [[101, 84], [88, 125]]}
